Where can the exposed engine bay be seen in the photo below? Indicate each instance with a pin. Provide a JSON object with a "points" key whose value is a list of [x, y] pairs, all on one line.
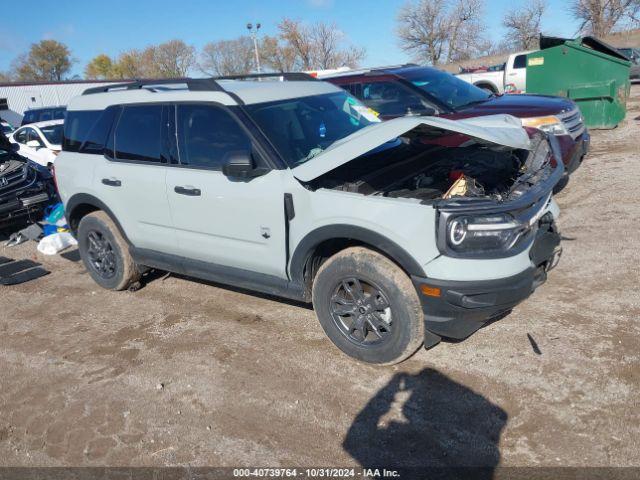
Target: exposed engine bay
{"points": [[26, 188], [427, 170]]}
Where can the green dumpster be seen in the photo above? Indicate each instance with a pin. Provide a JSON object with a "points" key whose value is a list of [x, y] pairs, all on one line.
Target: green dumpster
{"points": [[586, 70]]}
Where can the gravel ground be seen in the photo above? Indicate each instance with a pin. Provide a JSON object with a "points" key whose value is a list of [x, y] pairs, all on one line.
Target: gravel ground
{"points": [[187, 373]]}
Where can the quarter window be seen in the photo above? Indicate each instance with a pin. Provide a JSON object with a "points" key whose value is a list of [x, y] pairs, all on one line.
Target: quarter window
{"points": [[207, 135], [76, 127], [97, 137], [138, 135]]}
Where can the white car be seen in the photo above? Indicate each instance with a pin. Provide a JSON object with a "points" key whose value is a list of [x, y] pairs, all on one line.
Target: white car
{"points": [[40, 142]]}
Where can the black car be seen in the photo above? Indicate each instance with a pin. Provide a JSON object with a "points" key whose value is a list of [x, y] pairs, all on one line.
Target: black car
{"points": [[26, 188], [43, 114]]}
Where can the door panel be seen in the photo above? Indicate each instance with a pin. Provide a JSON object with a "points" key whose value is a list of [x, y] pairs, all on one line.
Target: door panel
{"points": [[133, 184], [236, 223], [138, 198], [233, 223]]}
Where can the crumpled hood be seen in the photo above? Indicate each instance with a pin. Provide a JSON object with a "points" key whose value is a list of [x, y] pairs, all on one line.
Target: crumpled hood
{"points": [[504, 130]]}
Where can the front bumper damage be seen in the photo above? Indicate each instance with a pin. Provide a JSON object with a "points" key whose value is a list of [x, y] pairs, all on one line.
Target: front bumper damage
{"points": [[456, 309]]}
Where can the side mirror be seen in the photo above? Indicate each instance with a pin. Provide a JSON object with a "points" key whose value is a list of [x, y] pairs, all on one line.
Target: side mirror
{"points": [[239, 164], [33, 144]]}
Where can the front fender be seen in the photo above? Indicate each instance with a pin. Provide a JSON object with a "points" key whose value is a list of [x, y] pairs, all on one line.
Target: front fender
{"points": [[311, 240]]}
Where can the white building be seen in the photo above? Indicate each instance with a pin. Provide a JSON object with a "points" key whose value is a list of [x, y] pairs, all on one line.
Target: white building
{"points": [[21, 97]]}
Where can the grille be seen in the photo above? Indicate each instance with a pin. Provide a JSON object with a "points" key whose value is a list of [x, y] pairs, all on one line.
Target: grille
{"points": [[573, 122], [14, 179]]}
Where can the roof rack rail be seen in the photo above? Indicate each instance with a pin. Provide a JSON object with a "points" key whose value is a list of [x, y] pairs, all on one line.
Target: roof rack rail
{"points": [[368, 70], [289, 76], [193, 84]]}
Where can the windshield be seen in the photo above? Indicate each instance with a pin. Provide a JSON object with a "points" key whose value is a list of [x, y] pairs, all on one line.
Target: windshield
{"points": [[6, 128], [53, 133], [301, 128], [445, 87]]}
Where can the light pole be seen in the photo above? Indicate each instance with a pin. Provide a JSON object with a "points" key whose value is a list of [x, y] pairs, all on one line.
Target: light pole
{"points": [[254, 34]]}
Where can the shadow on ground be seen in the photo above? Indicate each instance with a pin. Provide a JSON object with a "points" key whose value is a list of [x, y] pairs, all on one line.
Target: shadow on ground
{"points": [[428, 420]]}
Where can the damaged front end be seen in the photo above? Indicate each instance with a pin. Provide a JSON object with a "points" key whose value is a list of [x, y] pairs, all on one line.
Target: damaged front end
{"points": [[25, 188], [490, 184], [503, 222]]}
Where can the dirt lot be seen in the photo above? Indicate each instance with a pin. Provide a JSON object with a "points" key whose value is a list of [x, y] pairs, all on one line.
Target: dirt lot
{"points": [[184, 372]]}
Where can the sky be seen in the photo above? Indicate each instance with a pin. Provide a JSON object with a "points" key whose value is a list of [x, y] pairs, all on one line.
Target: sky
{"points": [[92, 27]]}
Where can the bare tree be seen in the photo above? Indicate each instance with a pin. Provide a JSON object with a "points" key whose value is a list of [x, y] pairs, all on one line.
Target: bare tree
{"points": [[523, 25], [327, 52], [601, 17], [228, 57], [318, 46], [465, 29], [277, 55], [298, 38], [440, 30], [47, 60], [173, 59]]}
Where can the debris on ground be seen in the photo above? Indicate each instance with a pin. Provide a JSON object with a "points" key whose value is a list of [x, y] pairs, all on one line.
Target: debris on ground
{"points": [[13, 272], [56, 242]]}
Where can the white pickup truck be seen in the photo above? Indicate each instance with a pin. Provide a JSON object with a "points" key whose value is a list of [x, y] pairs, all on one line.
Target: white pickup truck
{"points": [[510, 76]]}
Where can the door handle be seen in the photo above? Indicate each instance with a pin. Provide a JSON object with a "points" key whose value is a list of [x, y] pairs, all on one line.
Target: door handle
{"points": [[189, 191], [112, 182]]}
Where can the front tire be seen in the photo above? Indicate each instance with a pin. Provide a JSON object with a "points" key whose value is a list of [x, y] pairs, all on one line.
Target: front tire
{"points": [[368, 307], [105, 252]]}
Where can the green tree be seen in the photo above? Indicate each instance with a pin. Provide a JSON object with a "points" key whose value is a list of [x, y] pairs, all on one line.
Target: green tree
{"points": [[100, 67], [47, 60]]}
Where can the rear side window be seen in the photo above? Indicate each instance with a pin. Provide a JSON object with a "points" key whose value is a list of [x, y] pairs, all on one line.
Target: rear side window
{"points": [[138, 135], [207, 135], [53, 134], [520, 61], [76, 127]]}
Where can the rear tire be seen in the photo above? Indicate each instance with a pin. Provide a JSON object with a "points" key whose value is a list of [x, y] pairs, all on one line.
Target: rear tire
{"points": [[105, 252], [368, 307]]}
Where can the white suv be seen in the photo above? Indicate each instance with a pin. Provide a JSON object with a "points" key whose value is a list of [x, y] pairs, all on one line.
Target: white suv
{"points": [[400, 233]]}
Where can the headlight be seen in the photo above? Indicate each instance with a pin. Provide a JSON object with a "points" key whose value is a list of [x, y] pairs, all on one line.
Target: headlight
{"points": [[487, 233], [551, 124]]}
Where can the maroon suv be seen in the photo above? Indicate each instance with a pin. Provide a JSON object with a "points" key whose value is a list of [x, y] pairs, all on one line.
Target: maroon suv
{"points": [[415, 90]]}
